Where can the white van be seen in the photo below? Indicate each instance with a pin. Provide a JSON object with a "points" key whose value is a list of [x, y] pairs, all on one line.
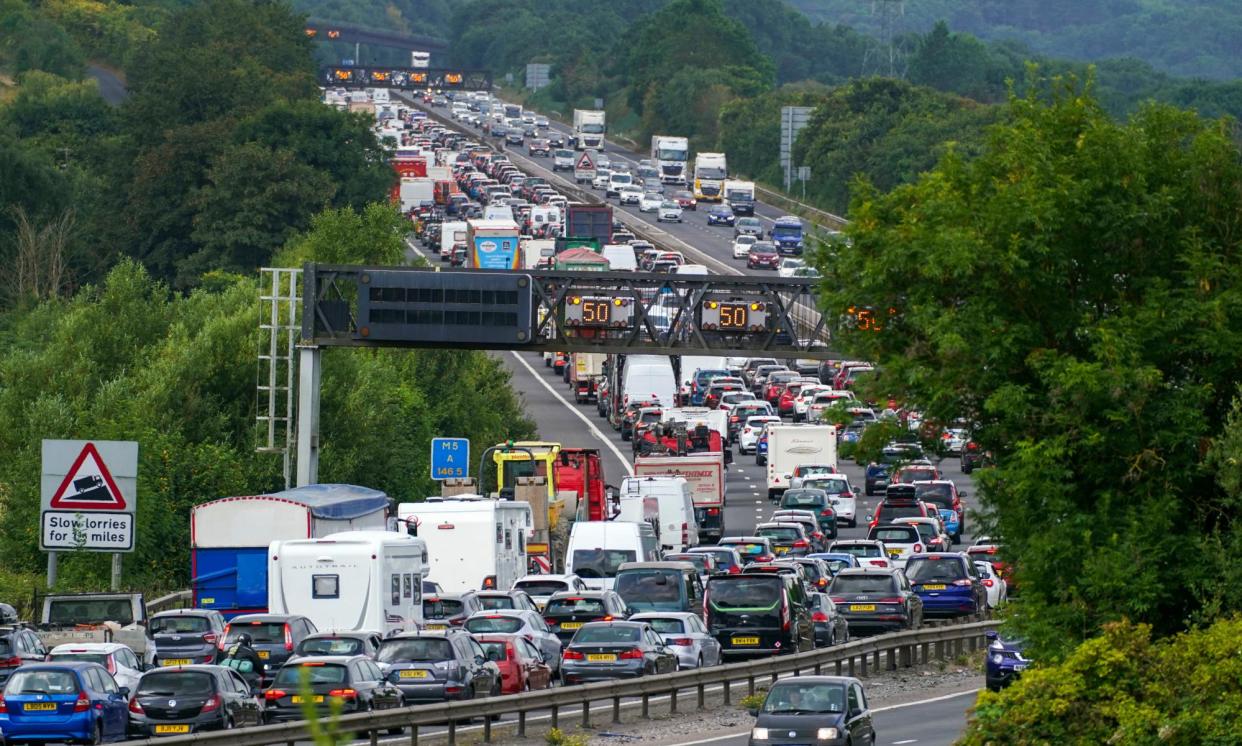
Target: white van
{"points": [[353, 580], [498, 212], [791, 446], [451, 232], [647, 377], [690, 269], [678, 528], [598, 548], [475, 542], [616, 180], [620, 257]]}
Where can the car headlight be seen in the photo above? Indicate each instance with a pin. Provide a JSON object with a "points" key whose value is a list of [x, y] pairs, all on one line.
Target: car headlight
{"points": [[826, 734], [759, 734], [996, 645], [997, 658]]}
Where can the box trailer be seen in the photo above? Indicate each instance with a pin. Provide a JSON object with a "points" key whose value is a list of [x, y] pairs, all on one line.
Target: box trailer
{"points": [[474, 542], [791, 446]]}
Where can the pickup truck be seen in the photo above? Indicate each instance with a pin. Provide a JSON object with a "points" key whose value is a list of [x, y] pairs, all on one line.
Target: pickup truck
{"points": [[97, 617]]}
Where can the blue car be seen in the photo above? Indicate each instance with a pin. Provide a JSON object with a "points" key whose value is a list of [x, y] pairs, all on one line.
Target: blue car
{"points": [[952, 523], [948, 584], [721, 215], [77, 702], [1004, 662], [761, 449], [836, 561]]}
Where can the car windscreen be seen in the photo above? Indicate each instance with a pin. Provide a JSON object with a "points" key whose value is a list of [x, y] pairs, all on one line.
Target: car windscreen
{"points": [[331, 646], [831, 486], [779, 534], [698, 560], [491, 603], [667, 625], [837, 565], [498, 623], [319, 673], [179, 625], [746, 549], [415, 650], [895, 534], [745, 592], [862, 584], [71, 611], [799, 698], [931, 569], [926, 531], [176, 683], [575, 605], [441, 608], [495, 651], [859, 550], [650, 589], [597, 563], [263, 633], [607, 633], [724, 560], [893, 512], [42, 682], [541, 587]]}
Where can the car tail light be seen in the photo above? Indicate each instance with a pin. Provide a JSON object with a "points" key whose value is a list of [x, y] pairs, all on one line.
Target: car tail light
{"points": [[452, 690], [271, 695], [888, 601], [735, 570], [963, 583], [785, 620], [918, 548], [822, 582], [685, 534], [972, 446], [607, 618], [987, 582], [224, 636], [800, 544], [4, 708], [819, 616], [10, 662], [212, 704], [136, 707], [837, 599], [825, 512], [631, 655], [288, 639], [572, 655], [879, 561], [82, 704], [764, 558], [684, 642], [210, 638], [112, 665], [457, 622], [550, 621], [343, 693]]}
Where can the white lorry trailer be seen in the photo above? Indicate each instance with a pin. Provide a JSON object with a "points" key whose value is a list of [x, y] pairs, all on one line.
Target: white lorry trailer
{"points": [[791, 446], [475, 542]]}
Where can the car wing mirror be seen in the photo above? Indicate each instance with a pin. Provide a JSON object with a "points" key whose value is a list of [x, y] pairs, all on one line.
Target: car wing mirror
{"points": [[754, 711]]}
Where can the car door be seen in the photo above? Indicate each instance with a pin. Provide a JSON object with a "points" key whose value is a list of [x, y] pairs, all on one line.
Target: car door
{"points": [[115, 705], [538, 672], [858, 717], [128, 670], [246, 708], [488, 672], [549, 643], [390, 693]]}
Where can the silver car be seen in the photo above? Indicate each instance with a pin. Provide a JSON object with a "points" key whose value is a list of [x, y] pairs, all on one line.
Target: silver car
{"points": [[684, 634], [518, 622]]}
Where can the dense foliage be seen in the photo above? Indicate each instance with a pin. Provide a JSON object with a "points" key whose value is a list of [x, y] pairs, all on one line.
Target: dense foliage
{"points": [[1075, 291], [1123, 688]]}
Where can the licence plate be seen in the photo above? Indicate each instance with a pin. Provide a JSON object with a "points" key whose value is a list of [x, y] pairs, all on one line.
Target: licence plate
{"points": [[602, 658], [745, 640], [894, 553], [175, 662], [40, 707], [437, 626], [570, 625], [782, 550], [934, 587], [862, 607], [299, 699], [172, 729], [263, 654], [412, 675]]}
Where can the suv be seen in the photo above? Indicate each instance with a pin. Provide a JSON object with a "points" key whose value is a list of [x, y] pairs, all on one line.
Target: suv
{"points": [[875, 599], [273, 637], [449, 609], [901, 541], [438, 666], [511, 599], [185, 636], [948, 583]]}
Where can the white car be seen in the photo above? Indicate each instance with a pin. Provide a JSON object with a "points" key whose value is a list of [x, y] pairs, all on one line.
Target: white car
{"points": [[870, 553], [748, 434], [117, 658], [788, 265], [522, 622], [954, 439], [669, 212], [601, 177], [684, 634], [935, 538], [997, 588], [900, 540], [803, 400], [650, 202], [541, 587], [741, 246], [630, 195]]}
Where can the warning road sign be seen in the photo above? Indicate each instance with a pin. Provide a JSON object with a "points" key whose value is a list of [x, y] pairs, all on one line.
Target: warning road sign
{"points": [[585, 163], [89, 476]]}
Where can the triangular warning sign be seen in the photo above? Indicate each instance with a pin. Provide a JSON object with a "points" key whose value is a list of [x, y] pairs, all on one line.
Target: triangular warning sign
{"points": [[585, 163], [88, 485]]}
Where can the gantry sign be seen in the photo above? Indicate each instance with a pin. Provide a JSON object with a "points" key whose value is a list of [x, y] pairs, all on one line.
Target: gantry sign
{"points": [[535, 310], [405, 78]]}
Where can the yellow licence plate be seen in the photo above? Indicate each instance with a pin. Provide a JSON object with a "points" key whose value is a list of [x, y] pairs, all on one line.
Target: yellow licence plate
{"points": [[299, 699], [862, 607], [172, 729], [601, 658], [412, 675], [175, 662], [437, 626], [934, 587], [39, 706], [263, 654], [570, 625], [894, 553], [781, 550], [745, 640]]}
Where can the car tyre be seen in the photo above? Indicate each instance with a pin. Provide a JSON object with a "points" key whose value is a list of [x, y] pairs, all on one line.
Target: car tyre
{"points": [[97, 737]]}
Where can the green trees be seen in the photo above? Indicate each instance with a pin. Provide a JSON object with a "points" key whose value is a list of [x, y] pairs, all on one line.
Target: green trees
{"points": [[1075, 291]]}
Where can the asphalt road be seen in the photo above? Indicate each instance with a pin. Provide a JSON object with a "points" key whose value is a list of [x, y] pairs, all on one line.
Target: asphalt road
{"points": [[110, 86]]}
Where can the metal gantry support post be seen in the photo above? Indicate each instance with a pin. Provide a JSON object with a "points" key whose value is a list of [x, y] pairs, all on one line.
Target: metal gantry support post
{"points": [[310, 364]]}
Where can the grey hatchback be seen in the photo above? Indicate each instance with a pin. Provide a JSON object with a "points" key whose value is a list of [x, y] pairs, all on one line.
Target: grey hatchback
{"points": [[187, 636]]}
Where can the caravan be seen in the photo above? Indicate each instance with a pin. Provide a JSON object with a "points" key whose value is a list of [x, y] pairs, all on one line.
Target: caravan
{"points": [[475, 543], [353, 580]]}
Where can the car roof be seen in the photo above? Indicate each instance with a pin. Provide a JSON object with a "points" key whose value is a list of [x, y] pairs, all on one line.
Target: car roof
{"points": [[312, 659], [886, 571], [184, 612], [683, 615], [61, 665], [87, 647], [245, 618], [355, 634], [577, 594], [659, 565], [941, 555]]}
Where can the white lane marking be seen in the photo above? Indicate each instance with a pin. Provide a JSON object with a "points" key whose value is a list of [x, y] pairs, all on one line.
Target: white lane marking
{"points": [[908, 740], [874, 711], [590, 425]]}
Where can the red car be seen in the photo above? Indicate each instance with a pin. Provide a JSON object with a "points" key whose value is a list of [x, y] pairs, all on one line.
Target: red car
{"points": [[763, 254], [686, 200], [911, 473], [522, 668]]}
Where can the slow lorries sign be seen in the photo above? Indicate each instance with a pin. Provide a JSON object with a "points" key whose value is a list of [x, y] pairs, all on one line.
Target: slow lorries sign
{"points": [[89, 495]]}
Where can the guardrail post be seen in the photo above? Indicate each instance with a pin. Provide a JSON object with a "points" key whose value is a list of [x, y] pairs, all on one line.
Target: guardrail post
{"points": [[672, 701], [907, 656], [556, 712], [876, 662], [890, 659], [750, 684], [586, 713], [839, 666], [452, 732], [702, 696], [728, 692], [373, 737], [925, 652], [487, 730], [862, 660], [974, 643], [616, 709], [521, 725], [646, 707], [818, 669], [414, 735]]}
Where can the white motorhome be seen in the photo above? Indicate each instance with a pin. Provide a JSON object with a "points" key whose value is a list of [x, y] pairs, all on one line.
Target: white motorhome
{"points": [[475, 542], [352, 580], [678, 527], [451, 232], [790, 446], [598, 548], [649, 376]]}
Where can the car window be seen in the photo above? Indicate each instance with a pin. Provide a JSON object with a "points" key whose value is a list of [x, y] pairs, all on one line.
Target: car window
{"points": [[930, 569], [475, 650], [862, 584]]}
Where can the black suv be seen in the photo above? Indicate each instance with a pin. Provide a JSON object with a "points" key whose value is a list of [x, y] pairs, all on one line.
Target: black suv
{"points": [[438, 666]]}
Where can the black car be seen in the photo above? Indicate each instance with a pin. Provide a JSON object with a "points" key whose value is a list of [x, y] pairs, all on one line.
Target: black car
{"points": [[759, 614], [18, 647], [438, 666], [186, 636], [876, 600], [449, 609], [273, 637], [340, 643], [189, 699], [830, 627], [567, 611], [602, 651], [356, 682], [821, 710]]}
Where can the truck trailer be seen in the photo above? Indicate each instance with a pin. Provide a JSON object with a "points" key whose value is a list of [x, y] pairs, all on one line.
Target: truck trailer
{"points": [[474, 542]]}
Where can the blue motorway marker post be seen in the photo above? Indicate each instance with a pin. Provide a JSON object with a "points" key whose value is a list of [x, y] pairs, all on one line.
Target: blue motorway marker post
{"points": [[450, 458]]}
